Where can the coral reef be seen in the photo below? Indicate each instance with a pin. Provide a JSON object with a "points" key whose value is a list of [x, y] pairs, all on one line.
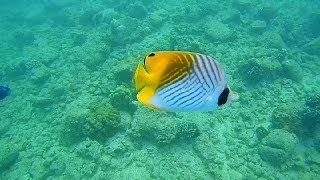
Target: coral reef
{"points": [[69, 64]]}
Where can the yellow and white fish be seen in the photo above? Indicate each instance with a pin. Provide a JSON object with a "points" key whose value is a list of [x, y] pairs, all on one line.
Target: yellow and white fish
{"points": [[181, 81]]}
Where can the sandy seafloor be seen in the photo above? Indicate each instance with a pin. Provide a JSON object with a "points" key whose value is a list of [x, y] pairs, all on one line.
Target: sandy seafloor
{"points": [[72, 112]]}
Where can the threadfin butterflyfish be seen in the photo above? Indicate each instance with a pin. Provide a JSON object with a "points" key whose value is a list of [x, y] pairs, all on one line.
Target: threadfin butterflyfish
{"points": [[181, 81]]}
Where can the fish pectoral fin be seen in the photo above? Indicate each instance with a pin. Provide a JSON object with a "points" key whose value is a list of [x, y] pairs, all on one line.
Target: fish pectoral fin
{"points": [[145, 94], [140, 77]]}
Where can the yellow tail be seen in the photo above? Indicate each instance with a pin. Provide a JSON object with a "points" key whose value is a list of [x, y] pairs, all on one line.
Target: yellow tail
{"points": [[140, 77]]}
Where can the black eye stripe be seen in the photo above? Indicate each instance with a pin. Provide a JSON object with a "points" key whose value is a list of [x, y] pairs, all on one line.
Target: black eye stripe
{"points": [[144, 60], [151, 54]]}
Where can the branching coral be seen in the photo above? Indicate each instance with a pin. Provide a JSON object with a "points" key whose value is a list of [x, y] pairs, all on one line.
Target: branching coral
{"points": [[187, 130], [260, 70], [122, 99], [102, 122], [311, 114], [287, 118], [99, 122], [261, 132], [304, 121], [104, 16]]}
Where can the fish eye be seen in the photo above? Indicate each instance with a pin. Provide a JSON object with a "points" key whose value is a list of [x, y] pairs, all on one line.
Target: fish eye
{"points": [[151, 54], [223, 97]]}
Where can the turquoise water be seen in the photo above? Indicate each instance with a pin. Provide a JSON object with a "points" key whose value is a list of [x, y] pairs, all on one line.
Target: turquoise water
{"points": [[72, 111]]}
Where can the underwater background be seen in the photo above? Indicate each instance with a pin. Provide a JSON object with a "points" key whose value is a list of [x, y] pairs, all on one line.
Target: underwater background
{"points": [[72, 112]]}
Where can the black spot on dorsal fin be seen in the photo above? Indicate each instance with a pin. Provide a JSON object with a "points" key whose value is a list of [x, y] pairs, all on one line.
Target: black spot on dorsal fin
{"points": [[223, 97]]}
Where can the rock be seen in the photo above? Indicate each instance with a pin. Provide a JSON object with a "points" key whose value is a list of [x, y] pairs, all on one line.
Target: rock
{"points": [[272, 155], [78, 38], [123, 76], [157, 18], [137, 10], [9, 152], [8, 159], [231, 16], [40, 75], [24, 38], [292, 70], [258, 26], [314, 157], [313, 47], [133, 172], [281, 139], [267, 12], [278, 147], [4, 127], [274, 40], [155, 126], [218, 31], [314, 23], [243, 4], [261, 132]]}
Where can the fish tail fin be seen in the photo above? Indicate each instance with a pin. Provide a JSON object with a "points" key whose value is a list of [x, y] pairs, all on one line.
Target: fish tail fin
{"points": [[233, 96], [140, 77]]}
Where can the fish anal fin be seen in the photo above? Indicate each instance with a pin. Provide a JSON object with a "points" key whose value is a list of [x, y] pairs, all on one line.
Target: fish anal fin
{"points": [[145, 94]]}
